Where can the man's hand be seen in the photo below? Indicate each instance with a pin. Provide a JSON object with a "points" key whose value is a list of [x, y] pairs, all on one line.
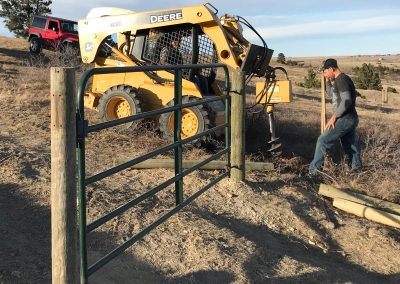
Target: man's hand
{"points": [[331, 122], [328, 81]]}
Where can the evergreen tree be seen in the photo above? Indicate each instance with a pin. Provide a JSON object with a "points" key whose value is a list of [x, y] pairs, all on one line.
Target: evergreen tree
{"points": [[18, 14], [311, 81], [281, 58], [367, 78]]}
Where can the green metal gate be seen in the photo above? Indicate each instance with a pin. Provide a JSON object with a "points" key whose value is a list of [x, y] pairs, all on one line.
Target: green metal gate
{"points": [[83, 129]]}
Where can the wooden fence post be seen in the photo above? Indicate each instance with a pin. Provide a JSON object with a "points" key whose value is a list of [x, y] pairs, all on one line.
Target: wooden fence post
{"points": [[64, 234], [384, 94], [323, 104], [237, 126]]}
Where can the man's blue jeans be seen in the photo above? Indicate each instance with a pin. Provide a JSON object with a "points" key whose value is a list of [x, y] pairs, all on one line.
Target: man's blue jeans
{"points": [[345, 130]]}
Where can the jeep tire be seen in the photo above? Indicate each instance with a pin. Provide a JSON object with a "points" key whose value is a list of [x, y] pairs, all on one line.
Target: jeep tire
{"points": [[35, 46]]}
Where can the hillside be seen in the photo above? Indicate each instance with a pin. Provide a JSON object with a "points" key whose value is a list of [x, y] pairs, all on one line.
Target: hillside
{"points": [[270, 229]]}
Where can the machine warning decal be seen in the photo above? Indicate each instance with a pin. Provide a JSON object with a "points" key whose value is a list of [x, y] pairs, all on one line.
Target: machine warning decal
{"points": [[166, 17], [88, 46]]}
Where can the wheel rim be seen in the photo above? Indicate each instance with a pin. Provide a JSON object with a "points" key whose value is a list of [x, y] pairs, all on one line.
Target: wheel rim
{"points": [[34, 45], [118, 107], [190, 123]]}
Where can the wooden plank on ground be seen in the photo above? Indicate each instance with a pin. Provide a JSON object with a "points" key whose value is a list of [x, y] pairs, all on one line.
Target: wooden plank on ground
{"points": [[213, 165], [334, 192], [369, 213]]}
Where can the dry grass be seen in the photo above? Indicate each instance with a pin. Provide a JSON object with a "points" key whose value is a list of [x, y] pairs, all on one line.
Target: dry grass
{"points": [[380, 147], [33, 72]]}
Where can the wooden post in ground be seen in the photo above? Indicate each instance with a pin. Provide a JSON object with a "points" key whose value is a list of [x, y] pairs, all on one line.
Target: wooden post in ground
{"points": [[237, 126], [63, 181], [323, 104], [384, 94]]}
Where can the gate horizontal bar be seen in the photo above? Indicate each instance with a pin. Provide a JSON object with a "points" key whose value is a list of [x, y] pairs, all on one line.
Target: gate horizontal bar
{"points": [[133, 202], [112, 123], [158, 222], [130, 163], [201, 134], [115, 122], [204, 101]]}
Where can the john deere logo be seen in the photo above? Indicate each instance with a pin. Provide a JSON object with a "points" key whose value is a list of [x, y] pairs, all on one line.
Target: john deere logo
{"points": [[163, 17]]}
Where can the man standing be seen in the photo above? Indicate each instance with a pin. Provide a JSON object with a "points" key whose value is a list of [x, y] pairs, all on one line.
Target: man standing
{"points": [[343, 122]]}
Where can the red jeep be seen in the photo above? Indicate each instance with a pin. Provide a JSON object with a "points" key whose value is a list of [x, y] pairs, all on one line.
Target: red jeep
{"points": [[52, 33]]}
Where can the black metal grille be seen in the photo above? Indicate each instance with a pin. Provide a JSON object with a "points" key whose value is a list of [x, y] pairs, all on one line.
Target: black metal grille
{"points": [[175, 47], [207, 54], [169, 48]]}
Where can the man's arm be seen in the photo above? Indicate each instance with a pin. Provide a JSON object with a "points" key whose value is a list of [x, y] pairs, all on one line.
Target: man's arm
{"points": [[345, 103], [330, 91]]}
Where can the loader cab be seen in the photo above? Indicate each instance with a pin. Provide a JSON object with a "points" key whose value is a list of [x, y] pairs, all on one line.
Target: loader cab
{"points": [[194, 47]]}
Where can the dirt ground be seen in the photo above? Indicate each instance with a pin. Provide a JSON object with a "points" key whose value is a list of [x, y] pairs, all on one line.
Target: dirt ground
{"points": [[270, 229]]}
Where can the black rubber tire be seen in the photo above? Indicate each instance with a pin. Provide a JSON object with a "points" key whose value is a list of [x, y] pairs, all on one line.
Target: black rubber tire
{"points": [[119, 92], [35, 45], [202, 113]]}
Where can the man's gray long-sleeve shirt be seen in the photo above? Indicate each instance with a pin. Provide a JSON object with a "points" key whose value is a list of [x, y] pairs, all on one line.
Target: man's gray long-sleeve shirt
{"points": [[343, 94]]}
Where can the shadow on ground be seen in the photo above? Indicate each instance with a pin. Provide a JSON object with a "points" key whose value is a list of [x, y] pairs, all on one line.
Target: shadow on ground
{"points": [[17, 54], [26, 249], [25, 234], [272, 247]]}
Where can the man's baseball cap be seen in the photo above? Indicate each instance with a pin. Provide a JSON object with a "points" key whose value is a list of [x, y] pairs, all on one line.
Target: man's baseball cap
{"points": [[329, 63]]}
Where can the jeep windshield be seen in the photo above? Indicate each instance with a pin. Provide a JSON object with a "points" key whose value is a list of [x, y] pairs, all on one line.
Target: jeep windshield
{"points": [[69, 27]]}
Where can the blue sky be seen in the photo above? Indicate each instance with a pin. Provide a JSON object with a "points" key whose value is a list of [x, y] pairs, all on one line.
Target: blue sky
{"points": [[296, 28]]}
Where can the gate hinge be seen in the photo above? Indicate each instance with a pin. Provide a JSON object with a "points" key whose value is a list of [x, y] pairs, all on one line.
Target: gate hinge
{"points": [[81, 128]]}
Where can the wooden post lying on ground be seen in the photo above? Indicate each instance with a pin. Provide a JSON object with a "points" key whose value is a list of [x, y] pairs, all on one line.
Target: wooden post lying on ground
{"points": [[63, 181], [213, 165], [384, 94], [333, 192], [237, 126], [323, 104], [369, 213]]}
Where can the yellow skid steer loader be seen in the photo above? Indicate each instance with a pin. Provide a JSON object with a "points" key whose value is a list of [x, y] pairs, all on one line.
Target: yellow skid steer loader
{"points": [[112, 37]]}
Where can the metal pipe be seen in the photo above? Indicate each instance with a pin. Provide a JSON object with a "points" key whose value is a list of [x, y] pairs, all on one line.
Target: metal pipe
{"points": [[271, 120], [228, 125], [128, 164], [204, 133], [147, 114], [80, 151], [177, 135]]}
